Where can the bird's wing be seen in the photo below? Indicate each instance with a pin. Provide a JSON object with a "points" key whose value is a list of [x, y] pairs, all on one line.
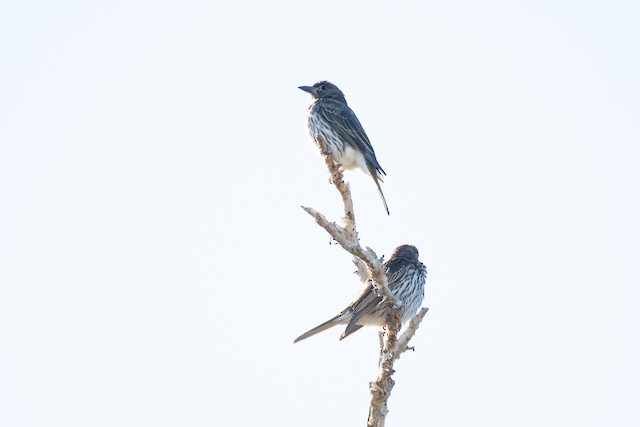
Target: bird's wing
{"points": [[348, 127], [363, 304], [369, 299]]}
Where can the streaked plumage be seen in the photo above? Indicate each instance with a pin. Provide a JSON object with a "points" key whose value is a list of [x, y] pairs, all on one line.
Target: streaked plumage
{"points": [[330, 116], [406, 277]]}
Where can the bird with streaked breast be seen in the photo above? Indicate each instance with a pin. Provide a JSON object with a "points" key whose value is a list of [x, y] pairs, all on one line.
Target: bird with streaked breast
{"points": [[406, 277], [331, 118]]}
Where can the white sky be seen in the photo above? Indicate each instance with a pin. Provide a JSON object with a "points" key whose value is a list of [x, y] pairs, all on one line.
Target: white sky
{"points": [[155, 265]]}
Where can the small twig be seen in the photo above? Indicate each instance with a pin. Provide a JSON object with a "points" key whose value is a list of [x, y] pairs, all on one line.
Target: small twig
{"points": [[361, 269], [349, 242]]}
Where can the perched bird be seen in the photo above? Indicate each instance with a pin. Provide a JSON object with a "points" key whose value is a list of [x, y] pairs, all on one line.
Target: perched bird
{"points": [[330, 117], [405, 276]]}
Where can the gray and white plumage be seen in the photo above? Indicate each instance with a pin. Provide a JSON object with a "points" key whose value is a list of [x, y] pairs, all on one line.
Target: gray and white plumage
{"points": [[406, 277], [329, 116]]}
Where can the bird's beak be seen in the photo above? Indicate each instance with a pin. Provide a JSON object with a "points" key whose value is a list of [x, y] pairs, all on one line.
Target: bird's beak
{"points": [[306, 88]]}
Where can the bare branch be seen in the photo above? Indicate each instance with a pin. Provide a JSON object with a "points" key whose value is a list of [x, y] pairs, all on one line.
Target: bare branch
{"points": [[338, 180], [391, 348], [402, 344], [369, 267], [347, 234]]}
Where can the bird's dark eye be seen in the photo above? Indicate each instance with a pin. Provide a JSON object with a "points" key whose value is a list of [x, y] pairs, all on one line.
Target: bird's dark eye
{"points": [[323, 87]]}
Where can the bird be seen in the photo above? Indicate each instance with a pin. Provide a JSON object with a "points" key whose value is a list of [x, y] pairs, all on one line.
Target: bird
{"points": [[406, 277], [331, 118]]}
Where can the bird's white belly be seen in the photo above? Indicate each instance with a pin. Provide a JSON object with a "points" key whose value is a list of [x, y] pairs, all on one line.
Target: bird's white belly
{"points": [[351, 158], [343, 153]]}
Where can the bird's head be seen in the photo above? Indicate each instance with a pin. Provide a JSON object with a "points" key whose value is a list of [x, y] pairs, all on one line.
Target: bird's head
{"points": [[405, 251], [324, 89]]}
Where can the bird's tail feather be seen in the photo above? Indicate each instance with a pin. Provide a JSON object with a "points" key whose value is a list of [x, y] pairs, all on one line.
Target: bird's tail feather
{"points": [[338, 320], [374, 174], [350, 329]]}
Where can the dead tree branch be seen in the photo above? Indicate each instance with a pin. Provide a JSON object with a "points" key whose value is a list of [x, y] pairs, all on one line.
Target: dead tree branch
{"points": [[369, 267]]}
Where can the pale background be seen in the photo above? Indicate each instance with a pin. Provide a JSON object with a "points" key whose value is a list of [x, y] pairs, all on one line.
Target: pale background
{"points": [[155, 265]]}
